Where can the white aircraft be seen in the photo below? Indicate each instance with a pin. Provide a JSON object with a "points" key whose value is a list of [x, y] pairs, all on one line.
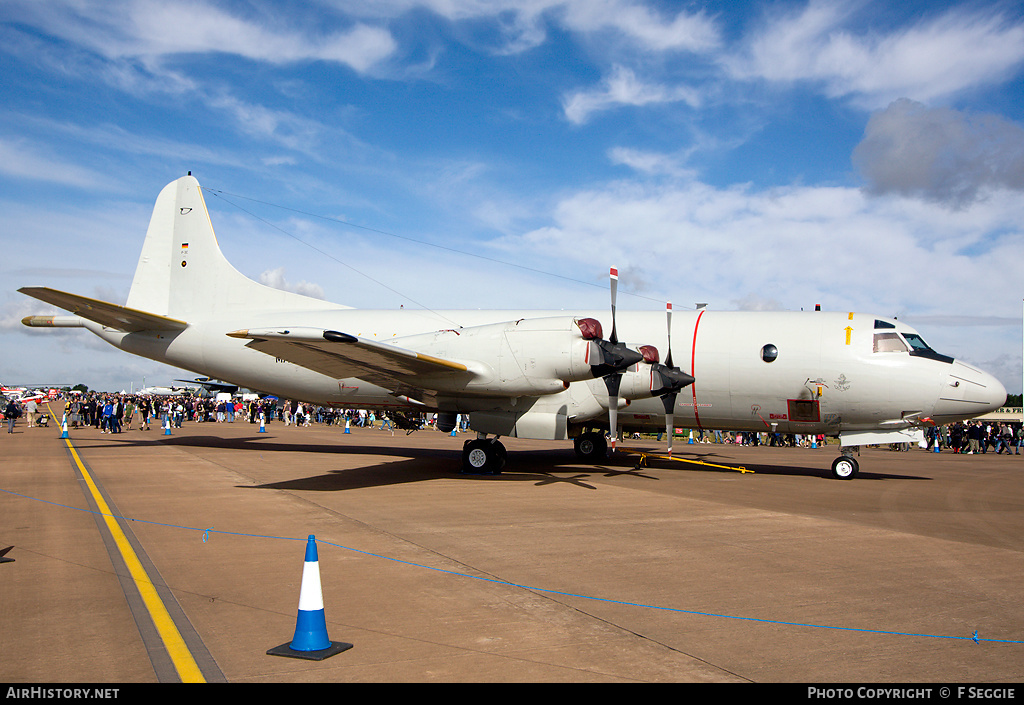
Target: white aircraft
{"points": [[163, 391], [544, 375]]}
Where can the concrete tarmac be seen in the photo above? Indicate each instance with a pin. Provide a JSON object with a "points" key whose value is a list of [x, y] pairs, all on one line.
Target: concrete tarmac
{"points": [[553, 571]]}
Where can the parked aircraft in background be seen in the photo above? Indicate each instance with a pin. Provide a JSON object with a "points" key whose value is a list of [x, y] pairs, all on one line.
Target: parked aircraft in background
{"points": [[546, 375], [26, 394], [12, 392], [163, 391]]}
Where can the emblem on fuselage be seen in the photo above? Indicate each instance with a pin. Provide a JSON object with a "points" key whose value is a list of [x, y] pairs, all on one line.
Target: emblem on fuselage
{"points": [[841, 384]]}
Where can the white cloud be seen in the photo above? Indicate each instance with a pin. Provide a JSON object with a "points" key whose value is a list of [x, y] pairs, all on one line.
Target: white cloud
{"points": [[956, 51], [651, 163], [275, 278], [623, 88], [20, 160], [522, 24], [648, 29], [794, 247], [152, 29]]}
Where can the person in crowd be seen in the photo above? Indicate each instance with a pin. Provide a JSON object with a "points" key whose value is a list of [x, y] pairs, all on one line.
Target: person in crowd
{"points": [[11, 413]]}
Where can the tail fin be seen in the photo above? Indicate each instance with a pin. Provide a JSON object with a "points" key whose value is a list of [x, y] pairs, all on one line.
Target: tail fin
{"points": [[182, 272]]}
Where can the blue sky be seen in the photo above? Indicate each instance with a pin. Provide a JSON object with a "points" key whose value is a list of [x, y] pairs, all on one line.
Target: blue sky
{"points": [[459, 153]]}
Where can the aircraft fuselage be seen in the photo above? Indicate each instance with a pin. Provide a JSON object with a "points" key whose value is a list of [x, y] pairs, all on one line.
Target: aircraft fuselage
{"points": [[790, 372]]}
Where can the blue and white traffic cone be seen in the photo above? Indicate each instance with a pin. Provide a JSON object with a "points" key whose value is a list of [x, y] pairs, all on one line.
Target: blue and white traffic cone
{"points": [[690, 442], [347, 429], [263, 424], [167, 425], [310, 640], [64, 427]]}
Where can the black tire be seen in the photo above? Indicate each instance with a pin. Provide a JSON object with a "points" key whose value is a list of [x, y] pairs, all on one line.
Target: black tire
{"points": [[483, 457], [844, 468], [591, 447]]}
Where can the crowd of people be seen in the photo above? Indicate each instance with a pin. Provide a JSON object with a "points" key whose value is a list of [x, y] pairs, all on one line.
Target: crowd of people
{"points": [[968, 438], [115, 413], [974, 437]]}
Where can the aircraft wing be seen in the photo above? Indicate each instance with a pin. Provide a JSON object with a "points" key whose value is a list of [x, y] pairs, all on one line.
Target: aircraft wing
{"points": [[104, 313], [340, 355]]}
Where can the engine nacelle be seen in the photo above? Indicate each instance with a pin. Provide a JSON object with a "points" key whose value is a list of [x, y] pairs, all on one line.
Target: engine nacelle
{"points": [[637, 382], [528, 357]]}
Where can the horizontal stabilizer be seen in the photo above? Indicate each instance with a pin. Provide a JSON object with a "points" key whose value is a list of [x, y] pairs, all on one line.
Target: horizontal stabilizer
{"points": [[341, 355], [102, 312]]}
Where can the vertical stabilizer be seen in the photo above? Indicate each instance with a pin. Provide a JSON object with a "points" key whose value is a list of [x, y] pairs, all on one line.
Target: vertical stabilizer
{"points": [[182, 272]]}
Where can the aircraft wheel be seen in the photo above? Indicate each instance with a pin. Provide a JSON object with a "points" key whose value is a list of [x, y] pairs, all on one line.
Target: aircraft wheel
{"points": [[483, 457], [844, 468], [591, 447]]}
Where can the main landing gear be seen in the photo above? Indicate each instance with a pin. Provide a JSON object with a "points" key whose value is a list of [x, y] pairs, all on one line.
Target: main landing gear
{"points": [[591, 447], [483, 456]]}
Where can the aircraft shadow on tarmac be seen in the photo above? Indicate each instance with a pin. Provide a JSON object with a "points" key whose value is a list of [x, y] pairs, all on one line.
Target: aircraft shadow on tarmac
{"points": [[543, 467]]}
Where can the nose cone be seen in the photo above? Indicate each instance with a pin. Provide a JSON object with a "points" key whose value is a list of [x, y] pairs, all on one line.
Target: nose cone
{"points": [[966, 393]]}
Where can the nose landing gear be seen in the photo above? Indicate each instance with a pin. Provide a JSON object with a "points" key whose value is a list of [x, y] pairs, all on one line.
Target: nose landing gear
{"points": [[845, 467]]}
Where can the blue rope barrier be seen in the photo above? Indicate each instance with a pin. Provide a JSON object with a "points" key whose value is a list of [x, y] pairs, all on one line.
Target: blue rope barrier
{"points": [[206, 535]]}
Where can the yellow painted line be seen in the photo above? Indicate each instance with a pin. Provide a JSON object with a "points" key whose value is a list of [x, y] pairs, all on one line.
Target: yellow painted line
{"points": [[180, 655]]}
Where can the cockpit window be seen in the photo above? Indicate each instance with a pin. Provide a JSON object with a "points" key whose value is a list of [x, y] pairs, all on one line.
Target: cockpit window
{"points": [[889, 342], [916, 341], [919, 348]]}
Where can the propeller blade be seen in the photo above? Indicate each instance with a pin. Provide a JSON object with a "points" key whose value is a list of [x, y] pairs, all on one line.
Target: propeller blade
{"points": [[672, 379], [670, 423], [613, 421], [613, 275], [614, 356], [668, 317], [613, 380]]}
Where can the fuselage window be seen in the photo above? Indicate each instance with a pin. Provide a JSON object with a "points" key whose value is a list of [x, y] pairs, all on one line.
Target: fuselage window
{"points": [[889, 342], [769, 352]]}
